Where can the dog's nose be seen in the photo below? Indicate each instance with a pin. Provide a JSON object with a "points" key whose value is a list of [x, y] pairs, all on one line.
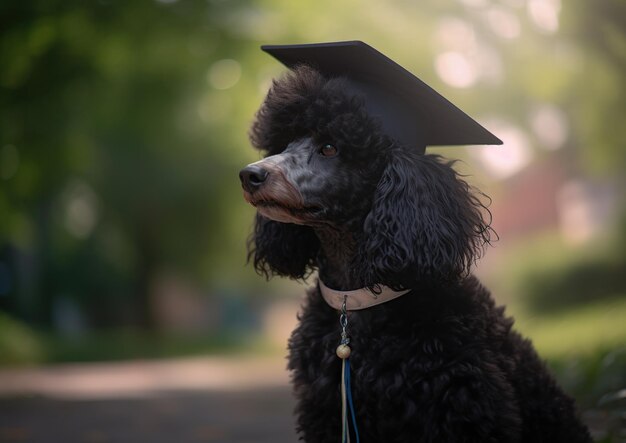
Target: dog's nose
{"points": [[252, 177]]}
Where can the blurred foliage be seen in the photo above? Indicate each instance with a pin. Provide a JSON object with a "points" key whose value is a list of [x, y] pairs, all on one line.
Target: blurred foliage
{"points": [[576, 280], [577, 331], [117, 176], [18, 343], [570, 300], [544, 274], [597, 383], [598, 29]]}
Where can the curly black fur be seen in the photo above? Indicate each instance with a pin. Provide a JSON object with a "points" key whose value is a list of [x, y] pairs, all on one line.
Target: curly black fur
{"points": [[282, 249], [425, 224], [440, 364], [303, 103]]}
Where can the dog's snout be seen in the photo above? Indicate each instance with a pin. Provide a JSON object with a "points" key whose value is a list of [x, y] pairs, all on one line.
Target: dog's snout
{"points": [[252, 177]]}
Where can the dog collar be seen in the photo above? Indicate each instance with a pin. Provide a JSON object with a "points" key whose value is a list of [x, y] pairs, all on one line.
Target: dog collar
{"points": [[359, 298]]}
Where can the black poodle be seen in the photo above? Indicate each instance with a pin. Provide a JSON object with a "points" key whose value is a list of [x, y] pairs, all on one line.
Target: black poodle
{"points": [[441, 363]]}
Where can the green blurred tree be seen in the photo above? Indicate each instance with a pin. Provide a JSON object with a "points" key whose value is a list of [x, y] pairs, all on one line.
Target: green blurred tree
{"points": [[597, 32], [110, 181]]}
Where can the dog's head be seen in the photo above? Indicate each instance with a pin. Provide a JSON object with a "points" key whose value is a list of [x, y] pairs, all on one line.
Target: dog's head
{"points": [[329, 163]]}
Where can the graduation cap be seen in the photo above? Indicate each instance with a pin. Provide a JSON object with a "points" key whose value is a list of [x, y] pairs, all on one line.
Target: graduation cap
{"points": [[409, 109]]}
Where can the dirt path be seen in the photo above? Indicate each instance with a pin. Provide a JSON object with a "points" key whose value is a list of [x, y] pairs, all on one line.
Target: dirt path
{"points": [[236, 400]]}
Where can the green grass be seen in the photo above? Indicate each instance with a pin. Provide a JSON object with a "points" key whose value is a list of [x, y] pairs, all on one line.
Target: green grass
{"points": [[577, 331], [585, 348]]}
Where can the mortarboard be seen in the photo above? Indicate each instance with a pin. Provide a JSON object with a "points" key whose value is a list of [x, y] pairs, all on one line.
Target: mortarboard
{"points": [[409, 109]]}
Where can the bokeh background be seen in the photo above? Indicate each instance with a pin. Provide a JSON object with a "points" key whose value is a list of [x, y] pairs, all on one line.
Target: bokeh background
{"points": [[123, 125]]}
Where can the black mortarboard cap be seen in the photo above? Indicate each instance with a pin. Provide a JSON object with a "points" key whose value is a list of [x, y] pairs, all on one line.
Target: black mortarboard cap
{"points": [[409, 109]]}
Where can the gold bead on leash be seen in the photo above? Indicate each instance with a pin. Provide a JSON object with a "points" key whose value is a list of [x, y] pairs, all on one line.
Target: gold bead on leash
{"points": [[343, 351]]}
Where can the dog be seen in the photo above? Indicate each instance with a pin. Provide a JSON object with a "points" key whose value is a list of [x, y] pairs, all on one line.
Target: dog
{"points": [[440, 362]]}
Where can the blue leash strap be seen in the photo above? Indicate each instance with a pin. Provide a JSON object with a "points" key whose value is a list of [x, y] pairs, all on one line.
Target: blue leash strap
{"points": [[350, 402], [347, 405]]}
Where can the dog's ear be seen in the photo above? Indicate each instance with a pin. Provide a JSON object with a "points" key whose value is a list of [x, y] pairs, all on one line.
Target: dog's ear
{"points": [[425, 223], [283, 249]]}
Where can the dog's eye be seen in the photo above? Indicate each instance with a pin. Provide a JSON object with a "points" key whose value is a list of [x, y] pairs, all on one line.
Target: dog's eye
{"points": [[328, 150]]}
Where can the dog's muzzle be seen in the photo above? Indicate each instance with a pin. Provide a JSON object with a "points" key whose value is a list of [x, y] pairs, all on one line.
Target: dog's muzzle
{"points": [[266, 182], [267, 187]]}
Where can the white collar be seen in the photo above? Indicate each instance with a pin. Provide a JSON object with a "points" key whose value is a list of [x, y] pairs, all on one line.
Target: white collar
{"points": [[359, 298]]}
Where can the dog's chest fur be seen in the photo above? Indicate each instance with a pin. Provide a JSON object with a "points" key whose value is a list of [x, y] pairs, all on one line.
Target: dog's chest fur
{"points": [[424, 364]]}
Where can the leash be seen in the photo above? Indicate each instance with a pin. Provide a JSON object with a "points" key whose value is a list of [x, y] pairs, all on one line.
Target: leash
{"points": [[345, 301], [347, 405]]}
